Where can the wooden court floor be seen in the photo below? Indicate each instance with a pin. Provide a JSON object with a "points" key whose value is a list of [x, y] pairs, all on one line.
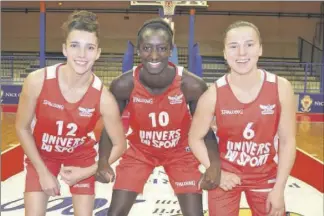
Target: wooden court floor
{"points": [[309, 135]]}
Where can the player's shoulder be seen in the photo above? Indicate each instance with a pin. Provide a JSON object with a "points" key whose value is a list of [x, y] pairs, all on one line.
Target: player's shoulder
{"points": [[285, 88], [122, 85], [36, 77], [192, 84], [282, 81]]}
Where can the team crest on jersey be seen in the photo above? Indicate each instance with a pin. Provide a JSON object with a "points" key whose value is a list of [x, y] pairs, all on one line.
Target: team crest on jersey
{"points": [[86, 112], [267, 109], [177, 99]]}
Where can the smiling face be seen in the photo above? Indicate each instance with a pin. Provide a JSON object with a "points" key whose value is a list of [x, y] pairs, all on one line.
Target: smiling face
{"points": [[154, 50], [81, 50], [154, 45], [82, 41], [242, 48]]}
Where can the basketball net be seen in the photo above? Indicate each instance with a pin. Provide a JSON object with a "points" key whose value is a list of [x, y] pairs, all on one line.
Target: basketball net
{"points": [[168, 11], [168, 7]]}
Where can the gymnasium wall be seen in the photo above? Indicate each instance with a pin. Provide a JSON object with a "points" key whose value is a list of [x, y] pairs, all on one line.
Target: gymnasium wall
{"points": [[20, 31]]}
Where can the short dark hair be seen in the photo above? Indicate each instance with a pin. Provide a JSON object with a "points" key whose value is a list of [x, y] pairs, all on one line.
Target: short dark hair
{"points": [[155, 24], [81, 20]]}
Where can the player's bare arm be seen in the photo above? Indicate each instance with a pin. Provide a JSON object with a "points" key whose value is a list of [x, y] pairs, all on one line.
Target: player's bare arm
{"points": [[26, 111], [110, 114], [287, 147], [113, 125], [193, 88], [200, 125], [287, 131], [120, 90]]}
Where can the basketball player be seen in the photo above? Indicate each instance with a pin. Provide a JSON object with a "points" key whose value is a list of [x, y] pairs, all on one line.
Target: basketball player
{"points": [[253, 109], [66, 101], [157, 95]]}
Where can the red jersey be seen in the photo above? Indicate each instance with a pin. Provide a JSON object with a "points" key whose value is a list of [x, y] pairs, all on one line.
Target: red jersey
{"points": [[247, 132], [64, 130], [160, 123]]}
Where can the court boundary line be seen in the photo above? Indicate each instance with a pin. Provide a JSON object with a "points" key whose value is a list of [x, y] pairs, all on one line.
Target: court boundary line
{"points": [[9, 149], [311, 156]]}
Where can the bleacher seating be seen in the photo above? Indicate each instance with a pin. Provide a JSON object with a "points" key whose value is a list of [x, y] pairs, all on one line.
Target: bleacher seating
{"points": [[15, 68]]}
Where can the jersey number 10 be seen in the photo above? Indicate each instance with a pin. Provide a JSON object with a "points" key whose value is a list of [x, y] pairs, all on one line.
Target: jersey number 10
{"points": [[162, 117]]}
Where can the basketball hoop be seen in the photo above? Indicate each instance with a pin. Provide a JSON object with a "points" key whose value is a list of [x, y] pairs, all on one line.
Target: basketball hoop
{"points": [[168, 7]]}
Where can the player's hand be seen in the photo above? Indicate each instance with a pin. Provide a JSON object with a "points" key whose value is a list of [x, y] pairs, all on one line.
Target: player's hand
{"points": [[49, 183], [105, 173], [211, 178], [275, 203], [72, 175], [229, 180]]}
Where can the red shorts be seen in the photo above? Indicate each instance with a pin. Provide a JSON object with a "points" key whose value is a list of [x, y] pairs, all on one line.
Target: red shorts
{"points": [[85, 186], [227, 203], [135, 168]]}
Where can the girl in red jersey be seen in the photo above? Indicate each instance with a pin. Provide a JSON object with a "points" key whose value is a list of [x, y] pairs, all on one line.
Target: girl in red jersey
{"points": [[64, 102], [160, 98], [254, 109]]}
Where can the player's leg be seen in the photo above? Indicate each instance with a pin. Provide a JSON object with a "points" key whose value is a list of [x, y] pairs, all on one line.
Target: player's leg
{"points": [[190, 204], [83, 204], [224, 203], [35, 199], [131, 175], [83, 192], [121, 202], [257, 201], [184, 175], [35, 203]]}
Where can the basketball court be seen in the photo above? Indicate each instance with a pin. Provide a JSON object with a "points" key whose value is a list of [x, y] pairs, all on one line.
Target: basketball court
{"points": [[158, 198]]}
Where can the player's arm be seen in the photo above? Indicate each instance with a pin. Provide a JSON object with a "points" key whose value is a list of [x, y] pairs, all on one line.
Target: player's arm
{"points": [[286, 132], [194, 88], [202, 140], [120, 88], [26, 111], [113, 135], [111, 150]]}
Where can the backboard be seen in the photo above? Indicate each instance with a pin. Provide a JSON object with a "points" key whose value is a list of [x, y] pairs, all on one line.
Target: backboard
{"points": [[169, 6]]}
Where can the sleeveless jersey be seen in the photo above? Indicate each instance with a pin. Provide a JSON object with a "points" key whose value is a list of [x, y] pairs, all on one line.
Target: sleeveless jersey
{"points": [[64, 130], [160, 123], [247, 132]]}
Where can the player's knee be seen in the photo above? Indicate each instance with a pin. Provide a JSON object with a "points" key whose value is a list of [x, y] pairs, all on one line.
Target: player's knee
{"points": [[121, 202], [35, 203], [83, 204]]}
